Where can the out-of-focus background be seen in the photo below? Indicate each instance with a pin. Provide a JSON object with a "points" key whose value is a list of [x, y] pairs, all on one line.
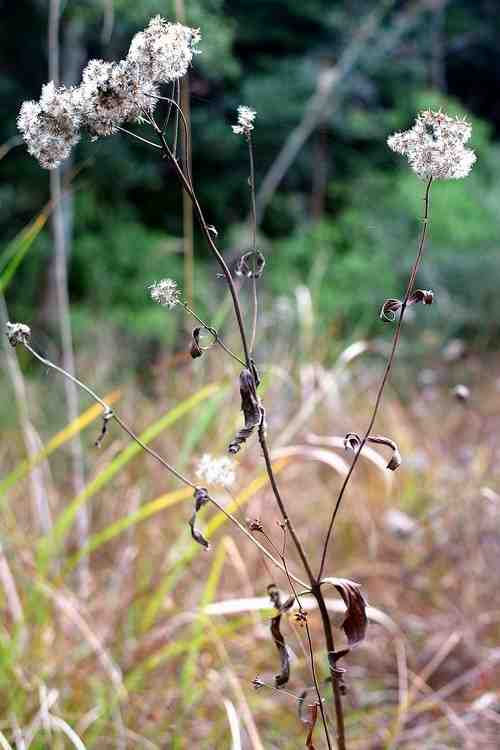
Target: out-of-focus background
{"points": [[101, 586]]}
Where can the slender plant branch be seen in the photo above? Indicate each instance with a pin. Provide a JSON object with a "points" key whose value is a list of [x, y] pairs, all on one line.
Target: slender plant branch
{"points": [[254, 241], [109, 413], [139, 138], [315, 587], [213, 332], [385, 378]]}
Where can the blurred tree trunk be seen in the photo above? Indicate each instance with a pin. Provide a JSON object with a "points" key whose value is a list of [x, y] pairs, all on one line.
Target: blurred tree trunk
{"points": [[57, 281]]}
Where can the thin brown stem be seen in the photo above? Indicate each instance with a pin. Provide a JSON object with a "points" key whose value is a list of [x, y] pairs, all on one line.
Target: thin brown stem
{"points": [[213, 332], [254, 242], [110, 414], [188, 187], [385, 378]]}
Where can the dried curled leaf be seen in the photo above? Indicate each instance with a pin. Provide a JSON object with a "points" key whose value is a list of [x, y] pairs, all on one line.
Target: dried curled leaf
{"points": [[201, 498], [250, 406], [353, 441], [277, 636], [425, 296], [392, 306], [250, 270], [389, 309], [311, 722], [108, 414], [17, 333], [195, 349], [355, 621], [395, 460]]}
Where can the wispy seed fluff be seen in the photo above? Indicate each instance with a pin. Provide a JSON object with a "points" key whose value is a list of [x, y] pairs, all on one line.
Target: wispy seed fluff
{"points": [[164, 50], [50, 127], [435, 147], [216, 470], [165, 292], [246, 116], [111, 94]]}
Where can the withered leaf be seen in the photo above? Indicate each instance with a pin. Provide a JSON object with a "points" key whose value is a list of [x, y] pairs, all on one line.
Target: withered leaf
{"points": [[196, 350], [395, 460], [284, 675], [244, 268], [278, 639], [311, 721], [355, 621], [389, 309], [251, 409], [201, 498], [353, 441], [425, 296]]}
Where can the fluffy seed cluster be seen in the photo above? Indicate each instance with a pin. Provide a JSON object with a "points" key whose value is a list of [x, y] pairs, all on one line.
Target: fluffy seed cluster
{"points": [[435, 146], [165, 292], [17, 333], [164, 50], [246, 116], [216, 470], [50, 127], [110, 94]]}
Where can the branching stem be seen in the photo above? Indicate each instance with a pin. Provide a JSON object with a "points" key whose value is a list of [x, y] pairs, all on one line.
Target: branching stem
{"points": [[385, 377]]}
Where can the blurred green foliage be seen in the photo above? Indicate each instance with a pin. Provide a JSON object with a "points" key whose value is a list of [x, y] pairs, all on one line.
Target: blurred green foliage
{"points": [[355, 249]]}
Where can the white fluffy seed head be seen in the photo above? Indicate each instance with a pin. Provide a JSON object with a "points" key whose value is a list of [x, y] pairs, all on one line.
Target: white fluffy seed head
{"points": [[219, 471], [50, 127], [164, 50], [111, 94], [165, 293], [246, 116], [435, 146]]}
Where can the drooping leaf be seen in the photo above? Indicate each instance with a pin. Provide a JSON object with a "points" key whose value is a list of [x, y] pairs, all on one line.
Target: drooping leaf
{"points": [[251, 409]]}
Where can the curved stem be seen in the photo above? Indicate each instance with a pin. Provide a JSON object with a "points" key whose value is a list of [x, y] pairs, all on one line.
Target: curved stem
{"points": [[186, 183], [385, 377], [213, 332]]}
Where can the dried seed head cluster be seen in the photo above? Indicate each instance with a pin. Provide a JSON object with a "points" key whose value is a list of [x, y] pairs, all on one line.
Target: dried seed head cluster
{"points": [[17, 333], [111, 93], [435, 147], [165, 292], [50, 127], [216, 470], [164, 50], [246, 116]]}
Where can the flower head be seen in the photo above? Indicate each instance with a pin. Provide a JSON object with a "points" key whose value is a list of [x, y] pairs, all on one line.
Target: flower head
{"points": [[17, 333], [165, 292], [435, 147], [50, 127], [113, 93], [164, 50], [216, 470], [246, 116]]}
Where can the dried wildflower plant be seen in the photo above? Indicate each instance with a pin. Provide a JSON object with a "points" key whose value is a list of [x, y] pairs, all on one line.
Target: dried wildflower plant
{"points": [[114, 93]]}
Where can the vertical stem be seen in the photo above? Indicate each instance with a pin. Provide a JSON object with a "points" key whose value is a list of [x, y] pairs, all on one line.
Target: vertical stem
{"points": [[187, 185], [254, 241], [385, 378]]}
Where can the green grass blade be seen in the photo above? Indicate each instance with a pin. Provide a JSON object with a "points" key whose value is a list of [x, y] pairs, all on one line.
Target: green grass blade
{"points": [[51, 544], [193, 549], [118, 527], [16, 250], [62, 437], [189, 687]]}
